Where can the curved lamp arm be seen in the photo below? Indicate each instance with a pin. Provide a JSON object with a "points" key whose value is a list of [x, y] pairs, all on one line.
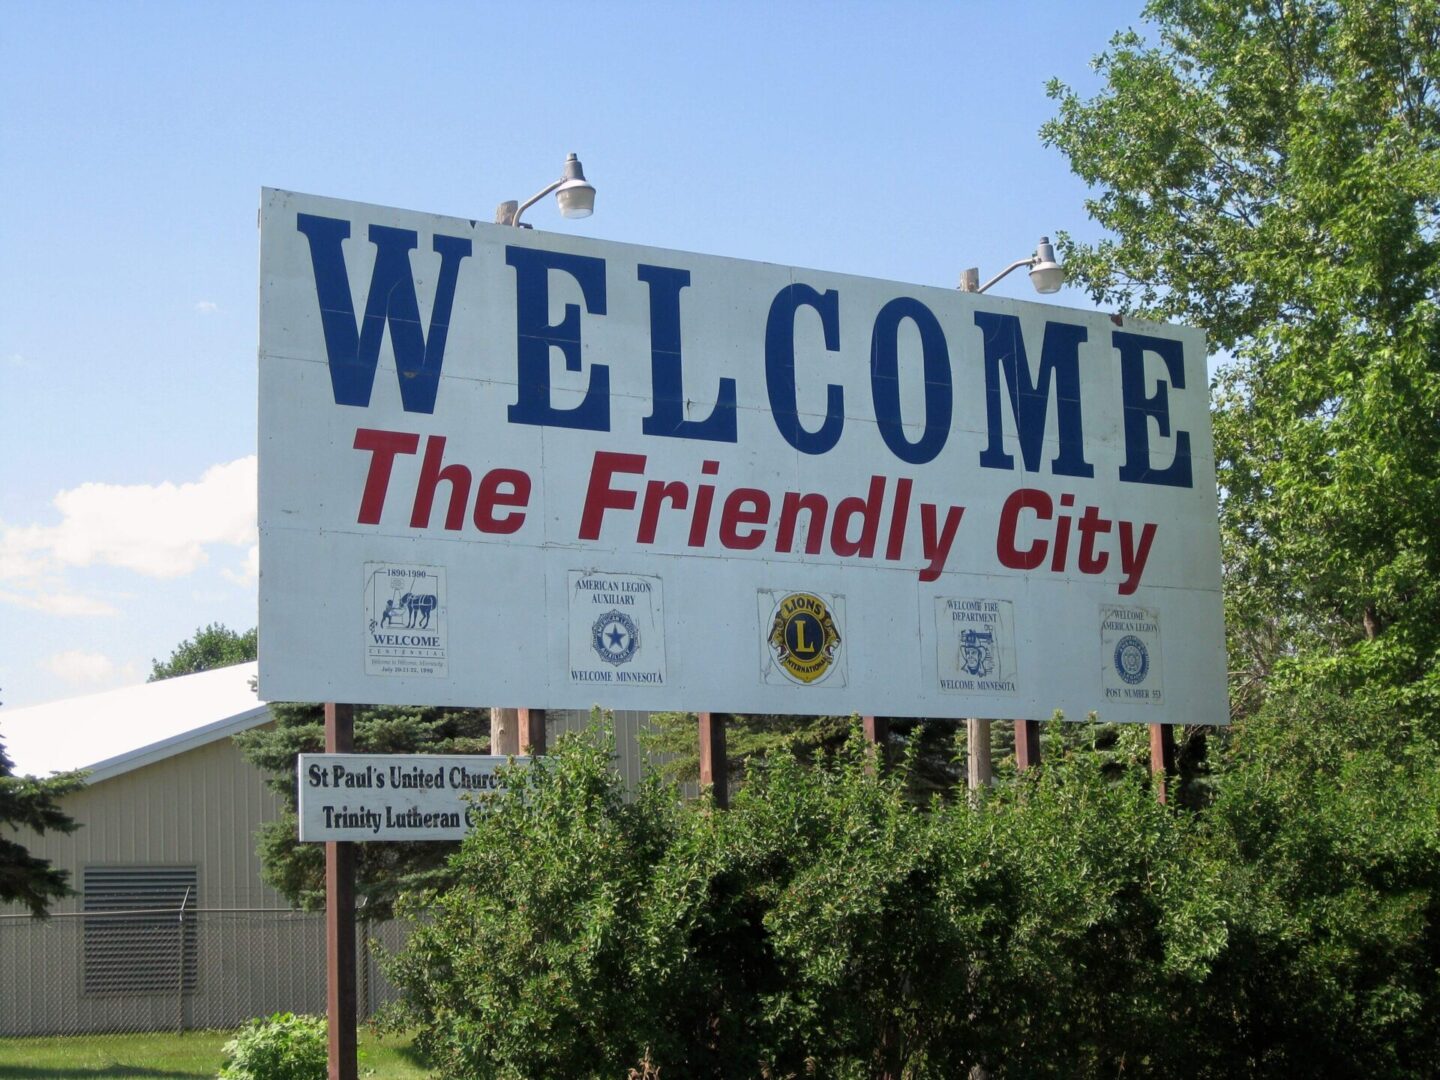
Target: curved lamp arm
{"points": [[1031, 261], [515, 217], [575, 194], [1046, 274]]}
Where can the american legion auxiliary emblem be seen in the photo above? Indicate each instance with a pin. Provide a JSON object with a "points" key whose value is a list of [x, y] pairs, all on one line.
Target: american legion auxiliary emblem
{"points": [[617, 628], [615, 637], [803, 637]]}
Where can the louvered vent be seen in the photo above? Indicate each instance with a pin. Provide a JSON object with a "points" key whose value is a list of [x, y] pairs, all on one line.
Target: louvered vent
{"points": [[139, 929]]}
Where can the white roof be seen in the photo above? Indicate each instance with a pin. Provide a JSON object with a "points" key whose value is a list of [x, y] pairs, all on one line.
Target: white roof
{"points": [[120, 730]]}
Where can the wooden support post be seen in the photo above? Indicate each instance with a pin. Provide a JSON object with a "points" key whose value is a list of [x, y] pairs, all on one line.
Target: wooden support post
{"points": [[504, 731], [978, 771], [1027, 744], [877, 731], [714, 770], [1162, 757], [340, 917], [531, 727]]}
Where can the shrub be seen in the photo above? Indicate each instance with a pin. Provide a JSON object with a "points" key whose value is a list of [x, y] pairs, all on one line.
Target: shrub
{"points": [[825, 925], [279, 1047], [1065, 924]]}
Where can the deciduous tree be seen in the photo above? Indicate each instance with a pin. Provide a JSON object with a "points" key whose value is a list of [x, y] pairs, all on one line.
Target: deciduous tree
{"points": [[1270, 170], [214, 646]]}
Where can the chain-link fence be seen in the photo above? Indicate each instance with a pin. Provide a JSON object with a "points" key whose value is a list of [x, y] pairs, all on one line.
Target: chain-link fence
{"points": [[173, 969]]}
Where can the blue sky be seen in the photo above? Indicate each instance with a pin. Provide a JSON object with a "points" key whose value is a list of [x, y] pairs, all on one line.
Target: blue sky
{"points": [[894, 140]]}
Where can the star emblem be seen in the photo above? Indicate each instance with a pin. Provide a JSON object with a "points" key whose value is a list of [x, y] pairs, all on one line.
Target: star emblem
{"points": [[615, 638]]}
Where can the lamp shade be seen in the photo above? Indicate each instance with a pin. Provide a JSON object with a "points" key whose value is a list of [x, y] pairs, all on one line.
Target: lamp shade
{"points": [[576, 198], [1046, 274]]}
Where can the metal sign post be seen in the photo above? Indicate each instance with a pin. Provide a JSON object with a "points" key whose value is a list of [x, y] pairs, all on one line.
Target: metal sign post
{"points": [[1027, 744], [714, 769], [340, 917], [978, 771], [877, 731], [345, 797], [531, 723], [1162, 758]]}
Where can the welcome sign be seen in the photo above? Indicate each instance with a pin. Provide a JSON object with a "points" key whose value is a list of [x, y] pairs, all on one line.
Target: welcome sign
{"points": [[499, 465]]}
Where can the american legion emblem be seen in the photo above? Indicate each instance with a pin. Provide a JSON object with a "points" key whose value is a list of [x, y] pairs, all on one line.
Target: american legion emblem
{"points": [[615, 638], [804, 638], [1132, 659]]}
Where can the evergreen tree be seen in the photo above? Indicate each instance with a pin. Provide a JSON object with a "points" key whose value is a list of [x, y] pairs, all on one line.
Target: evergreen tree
{"points": [[674, 739], [383, 870], [27, 802], [750, 738]]}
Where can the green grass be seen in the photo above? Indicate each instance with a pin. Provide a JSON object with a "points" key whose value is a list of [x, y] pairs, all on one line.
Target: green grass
{"points": [[194, 1055]]}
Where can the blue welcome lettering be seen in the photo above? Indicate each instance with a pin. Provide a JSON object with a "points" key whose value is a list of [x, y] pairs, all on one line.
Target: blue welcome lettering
{"points": [[885, 380], [536, 335], [1030, 397], [1140, 409], [668, 401], [353, 351], [780, 367]]}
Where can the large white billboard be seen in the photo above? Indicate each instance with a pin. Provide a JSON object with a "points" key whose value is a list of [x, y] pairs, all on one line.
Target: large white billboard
{"points": [[500, 466]]}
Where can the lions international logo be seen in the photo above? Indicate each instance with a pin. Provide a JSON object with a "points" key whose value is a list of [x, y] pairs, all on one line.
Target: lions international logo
{"points": [[615, 638], [803, 637], [1132, 659]]}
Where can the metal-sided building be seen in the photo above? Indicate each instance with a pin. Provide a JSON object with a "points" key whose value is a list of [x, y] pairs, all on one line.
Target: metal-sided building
{"points": [[172, 926]]}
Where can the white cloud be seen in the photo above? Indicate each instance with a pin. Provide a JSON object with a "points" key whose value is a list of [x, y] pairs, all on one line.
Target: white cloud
{"points": [[18, 562], [14, 359], [161, 530], [206, 307], [53, 602], [79, 666], [249, 572]]}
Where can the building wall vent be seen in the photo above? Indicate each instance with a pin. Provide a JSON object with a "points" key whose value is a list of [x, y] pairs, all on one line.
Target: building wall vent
{"points": [[140, 929]]}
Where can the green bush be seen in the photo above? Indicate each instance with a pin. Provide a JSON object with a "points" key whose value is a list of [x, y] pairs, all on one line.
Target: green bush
{"points": [[825, 925], [1064, 925], [279, 1047]]}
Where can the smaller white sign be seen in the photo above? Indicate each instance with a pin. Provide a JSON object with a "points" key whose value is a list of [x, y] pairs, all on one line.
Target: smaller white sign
{"points": [[405, 620], [393, 796], [975, 645], [1131, 662], [617, 629], [802, 638]]}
